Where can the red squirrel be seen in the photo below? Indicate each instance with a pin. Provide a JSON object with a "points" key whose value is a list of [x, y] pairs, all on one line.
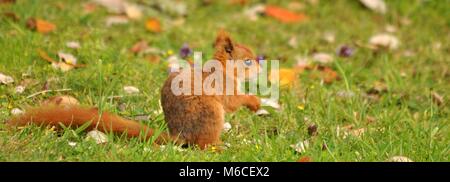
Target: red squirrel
{"points": [[191, 119]]}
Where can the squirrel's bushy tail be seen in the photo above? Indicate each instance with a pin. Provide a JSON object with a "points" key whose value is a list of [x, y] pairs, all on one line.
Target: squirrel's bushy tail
{"points": [[76, 116]]}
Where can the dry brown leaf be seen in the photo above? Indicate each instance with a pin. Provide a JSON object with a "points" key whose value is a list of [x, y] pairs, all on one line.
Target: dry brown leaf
{"points": [[154, 59], [438, 99], [45, 56], [153, 25], [7, 1], [329, 75], [140, 46], [284, 15], [305, 159], [89, 7], [11, 15], [312, 130], [40, 25]]}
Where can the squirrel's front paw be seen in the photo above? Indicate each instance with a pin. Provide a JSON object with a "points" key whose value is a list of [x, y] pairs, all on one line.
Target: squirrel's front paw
{"points": [[254, 104]]}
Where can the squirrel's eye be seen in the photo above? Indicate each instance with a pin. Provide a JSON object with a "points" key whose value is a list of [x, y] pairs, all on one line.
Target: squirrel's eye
{"points": [[248, 62]]}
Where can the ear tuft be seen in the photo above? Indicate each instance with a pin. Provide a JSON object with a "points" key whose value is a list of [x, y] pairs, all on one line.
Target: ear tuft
{"points": [[224, 41]]}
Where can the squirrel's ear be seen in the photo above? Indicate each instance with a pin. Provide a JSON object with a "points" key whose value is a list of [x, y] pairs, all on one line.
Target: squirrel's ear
{"points": [[223, 41]]}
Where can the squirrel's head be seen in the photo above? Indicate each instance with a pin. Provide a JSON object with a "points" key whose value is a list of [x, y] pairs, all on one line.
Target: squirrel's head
{"points": [[226, 49]]}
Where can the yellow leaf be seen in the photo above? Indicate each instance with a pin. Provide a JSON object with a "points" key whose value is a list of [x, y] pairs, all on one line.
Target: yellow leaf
{"points": [[286, 77]]}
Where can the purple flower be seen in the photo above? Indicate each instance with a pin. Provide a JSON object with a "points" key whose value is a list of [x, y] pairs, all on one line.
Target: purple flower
{"points": [[260, 59], [345, 51], [185, 51]]}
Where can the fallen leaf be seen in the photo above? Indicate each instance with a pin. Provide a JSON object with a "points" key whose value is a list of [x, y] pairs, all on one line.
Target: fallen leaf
{"points": [[153, 25], [328, 75], [399, 159], [438, 99], [7, 1], [312, 130], [11, 15], [154, 59], [178, 22], [67, 58], [329, 37], [305, 159], [226, 126], [239, 2], [116, 20], [293, 42], [19, 89], [375, 5], [139, 47], [97, 136], [16, 111], [262, 112], [286, 77], [371, 119], [296, 6], [62, 100], [378, 88], [173, 8], [113, 6], [390, 28], [302, 63], [130, 90], [72, 144], [349, 130], [141, 117], [301, 146], [254, 12], [405, 21], [345, 94], [73, 45], [5, 79], [284, 15], [64, 67], [270, 102], [133, 11], [384, 40], [322, 58], [89, 7], [40, 25], [45, 56]]}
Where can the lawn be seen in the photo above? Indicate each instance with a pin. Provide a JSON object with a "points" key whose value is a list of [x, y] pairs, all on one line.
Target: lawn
{"points": [[391, 95]]}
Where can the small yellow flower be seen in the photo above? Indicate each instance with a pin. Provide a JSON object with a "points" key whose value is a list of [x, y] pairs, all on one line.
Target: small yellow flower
{"points": [[10, 106], [301, 107], [170, 52], [257, 147], [213, 148], [312, 87]]}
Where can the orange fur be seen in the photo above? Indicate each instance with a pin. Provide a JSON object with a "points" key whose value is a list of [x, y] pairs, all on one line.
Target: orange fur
{"points": [[76, 116]]}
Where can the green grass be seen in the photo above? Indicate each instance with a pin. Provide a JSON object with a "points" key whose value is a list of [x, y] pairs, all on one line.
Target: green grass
{"points": [[412, 124]]}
